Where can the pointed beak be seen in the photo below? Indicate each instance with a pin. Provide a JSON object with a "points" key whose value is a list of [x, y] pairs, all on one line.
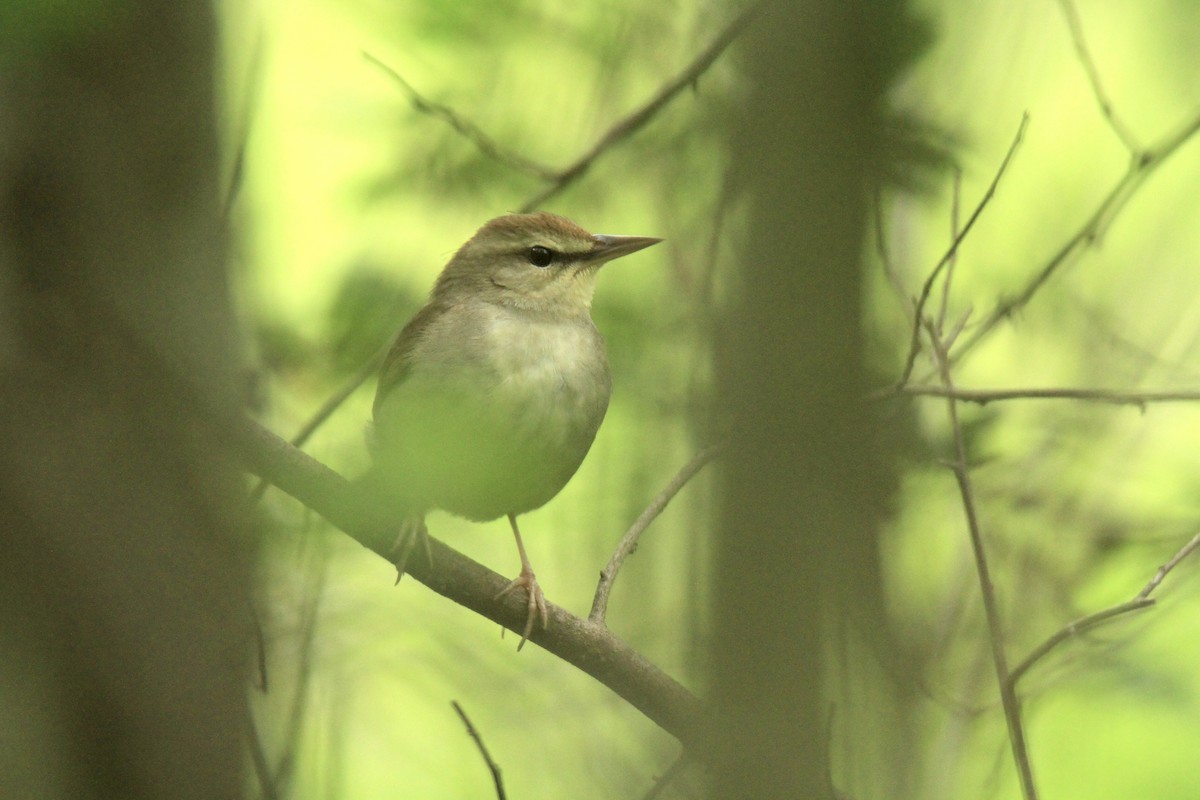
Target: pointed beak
{"points": [[609, 247]]}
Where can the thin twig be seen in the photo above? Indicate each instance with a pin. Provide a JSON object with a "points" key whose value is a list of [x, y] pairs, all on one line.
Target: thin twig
{"points": [[464, 127], [1093, 229], [985, 396], [1093, 75], [1141, 600], [629, 541], [1008, 697], [1162, 572], [914, 347], [483, 751], [634, 122]]}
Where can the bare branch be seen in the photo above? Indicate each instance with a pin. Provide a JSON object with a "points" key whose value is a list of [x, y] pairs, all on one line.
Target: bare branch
{"points": [[914, 347], [1093, 74], [629, 541], [985, 396], [483, 751], [464, 127], [1008, 697], [1086, 623], [1166, 568], [634, 122]]}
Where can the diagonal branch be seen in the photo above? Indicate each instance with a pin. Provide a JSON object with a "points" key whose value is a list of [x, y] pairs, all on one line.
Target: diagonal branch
{"points": [[1141, 600], [635, 121], [589, 646], [914, 345], [1093, 75], [492, 766], [629, 541], [465, 128]]}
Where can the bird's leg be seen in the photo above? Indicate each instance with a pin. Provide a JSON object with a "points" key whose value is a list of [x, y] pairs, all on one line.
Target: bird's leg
{"points": [[412, 530], [536, 604]]}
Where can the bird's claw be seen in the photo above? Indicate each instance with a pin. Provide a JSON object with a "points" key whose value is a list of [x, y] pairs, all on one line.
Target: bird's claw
{"points": [[535, 604], [411, 531]]}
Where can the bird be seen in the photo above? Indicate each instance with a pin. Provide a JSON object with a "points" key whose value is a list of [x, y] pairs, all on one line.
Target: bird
{"points": [[491, 395]]}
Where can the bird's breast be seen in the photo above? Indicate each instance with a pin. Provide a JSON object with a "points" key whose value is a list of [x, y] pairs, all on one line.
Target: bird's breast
{"points": [[551, 376]]}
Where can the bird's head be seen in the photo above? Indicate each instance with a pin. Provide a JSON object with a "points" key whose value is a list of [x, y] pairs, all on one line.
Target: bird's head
{"points": [[540, 262]]}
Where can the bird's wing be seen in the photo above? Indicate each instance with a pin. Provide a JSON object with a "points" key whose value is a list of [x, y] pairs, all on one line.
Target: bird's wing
{"points": [[397, 365]]}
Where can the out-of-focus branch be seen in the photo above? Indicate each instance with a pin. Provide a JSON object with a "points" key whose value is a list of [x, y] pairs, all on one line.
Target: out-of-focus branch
{"points": [[493, 767], [635, 121], [465, 128], [1141, 600], [1075, 25]]}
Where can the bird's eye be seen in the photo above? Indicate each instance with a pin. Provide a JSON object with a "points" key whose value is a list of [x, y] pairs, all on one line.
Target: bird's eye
{"points": [[540, 256]]}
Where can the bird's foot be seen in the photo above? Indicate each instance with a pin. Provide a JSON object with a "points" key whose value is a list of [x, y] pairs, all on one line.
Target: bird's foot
{"points": [[412, 530], [535, 605]]}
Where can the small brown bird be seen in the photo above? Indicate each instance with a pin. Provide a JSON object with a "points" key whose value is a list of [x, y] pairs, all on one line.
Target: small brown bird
{"points": [[492, 394]]}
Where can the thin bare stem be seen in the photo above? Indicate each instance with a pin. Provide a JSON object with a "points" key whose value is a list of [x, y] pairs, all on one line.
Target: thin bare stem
{"points": [[914, 347], [1141, 600], [636, 120], [629, 541], [1008, 697], [483, 751], [1093, 75], [985, 396]]}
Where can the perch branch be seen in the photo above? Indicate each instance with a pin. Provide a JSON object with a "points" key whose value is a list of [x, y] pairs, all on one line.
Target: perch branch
{"points": [[586, 645]]}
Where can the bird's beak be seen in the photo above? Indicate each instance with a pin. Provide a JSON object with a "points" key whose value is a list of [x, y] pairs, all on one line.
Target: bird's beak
{"points": [[610, 247]]}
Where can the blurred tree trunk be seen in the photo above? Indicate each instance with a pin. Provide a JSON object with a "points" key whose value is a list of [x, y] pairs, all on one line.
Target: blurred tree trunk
{"points": [[802, 483], [122, 616]]}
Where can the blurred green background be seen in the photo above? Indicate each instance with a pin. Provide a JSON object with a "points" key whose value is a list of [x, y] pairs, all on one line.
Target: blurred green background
{"points": [[351, 200]]}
